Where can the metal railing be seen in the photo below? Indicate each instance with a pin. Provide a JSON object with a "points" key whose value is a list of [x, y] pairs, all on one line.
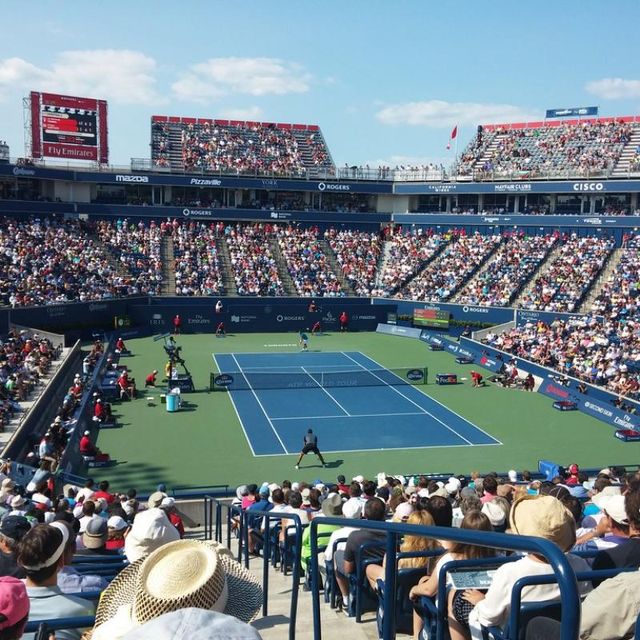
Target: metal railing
{"points": [[558, 563]]}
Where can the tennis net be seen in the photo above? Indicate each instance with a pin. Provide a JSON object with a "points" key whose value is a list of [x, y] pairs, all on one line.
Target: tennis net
{"points": [[239, 380]]}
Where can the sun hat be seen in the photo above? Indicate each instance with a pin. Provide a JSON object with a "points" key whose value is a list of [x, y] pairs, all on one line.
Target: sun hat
{"points": [[17, 501], [453, 485], [193, 624], [8, 483], [332, 506], [359, 479], [14, 601], [306, 492], [95, 533], [168, 502], [151, 529], [545, 517], [155, 499], [352, 509], [467, 492], [495, 513], [181, 574], [512, 475], [604, 494], [116, 522], [615, 509]]}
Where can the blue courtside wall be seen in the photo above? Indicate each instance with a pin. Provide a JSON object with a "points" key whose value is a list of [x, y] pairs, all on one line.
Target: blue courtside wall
{"points": [[459, 312]]}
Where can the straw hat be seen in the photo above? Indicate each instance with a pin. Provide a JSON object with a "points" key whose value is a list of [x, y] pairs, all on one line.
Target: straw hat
{"points": [[186, 573], [332, 506], [545, 517]]}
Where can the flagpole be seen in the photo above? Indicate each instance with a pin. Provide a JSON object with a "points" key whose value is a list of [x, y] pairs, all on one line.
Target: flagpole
{"points": [[457, 136]]}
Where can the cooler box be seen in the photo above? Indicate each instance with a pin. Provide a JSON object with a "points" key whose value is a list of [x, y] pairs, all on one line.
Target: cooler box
{"points": [[172, 402]]}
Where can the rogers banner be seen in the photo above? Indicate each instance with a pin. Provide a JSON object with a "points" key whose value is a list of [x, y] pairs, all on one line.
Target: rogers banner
{"points": [[68, 127]]}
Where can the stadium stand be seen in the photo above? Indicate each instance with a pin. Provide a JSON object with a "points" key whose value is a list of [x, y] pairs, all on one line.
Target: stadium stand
{"points": [[444, 275], [405, 253], [307, 262], [547, 149], [137, 248], [231, 146], [252, 260], [562, 286], [198, 269], [514, 262], [50, 261], [358, 254]]}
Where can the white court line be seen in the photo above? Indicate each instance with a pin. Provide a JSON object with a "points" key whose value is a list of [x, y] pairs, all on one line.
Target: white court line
{"points": [[233, 404], [444, 406], [353, 415], [297, 366], [255, 395], [427, 446], [446, 426], [323, 389]]}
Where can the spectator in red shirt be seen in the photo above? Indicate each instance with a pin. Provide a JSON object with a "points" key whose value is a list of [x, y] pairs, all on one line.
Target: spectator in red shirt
{"points": [[116, 530], [168, 505], [103, 492]]}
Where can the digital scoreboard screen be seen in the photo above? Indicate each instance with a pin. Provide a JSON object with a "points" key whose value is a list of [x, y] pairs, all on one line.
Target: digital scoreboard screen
{"points": [[431, 318], [67, 125]]}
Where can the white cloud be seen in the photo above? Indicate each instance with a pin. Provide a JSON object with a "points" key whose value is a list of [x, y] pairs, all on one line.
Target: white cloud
{"points": [[120, 75], [241, 113], [439, 113], [614, 88], [254, 76]]}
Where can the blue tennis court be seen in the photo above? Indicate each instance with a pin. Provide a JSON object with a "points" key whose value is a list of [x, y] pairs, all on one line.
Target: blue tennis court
{"points": [[350, 401]]}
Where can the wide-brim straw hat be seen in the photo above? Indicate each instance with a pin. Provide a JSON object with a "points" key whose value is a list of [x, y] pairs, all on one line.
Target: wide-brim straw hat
{"points": [[545, 517], [186, 573]]}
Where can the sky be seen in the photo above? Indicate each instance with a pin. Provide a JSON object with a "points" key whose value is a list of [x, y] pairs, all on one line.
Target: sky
{"points": [[386, 81]]}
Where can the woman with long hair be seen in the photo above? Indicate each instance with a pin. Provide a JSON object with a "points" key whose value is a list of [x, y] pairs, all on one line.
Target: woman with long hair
{"points": [[428, 586], [409, 544]]}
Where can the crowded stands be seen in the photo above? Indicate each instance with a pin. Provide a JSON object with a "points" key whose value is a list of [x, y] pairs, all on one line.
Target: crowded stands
{"points": [[573, 269], [358, 253], [408, 251], [444, 275], [50, 261], [96, 543], [510, 268], [252, 260], [249, 147], [137, 248], [586, 148], [198, 269], [307, 262]]}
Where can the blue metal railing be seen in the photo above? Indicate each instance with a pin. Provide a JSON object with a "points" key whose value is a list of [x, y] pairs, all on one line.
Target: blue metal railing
{"points": [[247, 516], [558, 563]]}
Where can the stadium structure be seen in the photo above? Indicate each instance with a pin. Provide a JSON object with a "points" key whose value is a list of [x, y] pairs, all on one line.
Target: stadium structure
{"points": [[521, 260]]}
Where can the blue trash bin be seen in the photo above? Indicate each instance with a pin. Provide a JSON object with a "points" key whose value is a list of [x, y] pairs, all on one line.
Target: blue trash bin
{"points": [[172, 402]]}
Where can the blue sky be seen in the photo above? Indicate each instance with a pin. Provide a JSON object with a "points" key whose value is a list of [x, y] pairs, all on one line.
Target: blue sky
{"points": [[386, 81]]}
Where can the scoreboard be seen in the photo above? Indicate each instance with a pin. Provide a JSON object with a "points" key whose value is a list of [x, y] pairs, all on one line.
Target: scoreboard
{"points": [[68, 127], [431, 318]]}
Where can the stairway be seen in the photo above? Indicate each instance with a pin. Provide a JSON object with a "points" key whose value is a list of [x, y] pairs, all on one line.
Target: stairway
{"points": [[405, 281], [332, 260], [168, 266], [479, 271], [306, 152], [621, 170], [489, 151], [596, 288], [382, 263], [228, 280], [285, 276], [175, 148], [542, 268]]}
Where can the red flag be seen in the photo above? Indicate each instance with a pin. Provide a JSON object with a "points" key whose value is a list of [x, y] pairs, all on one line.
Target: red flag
{"points": [[454, 133]]}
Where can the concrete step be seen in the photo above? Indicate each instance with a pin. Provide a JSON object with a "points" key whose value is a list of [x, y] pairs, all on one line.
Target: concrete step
{"points": [[283, 271], [335, 267], [168, 266], [228, 279], [596, 288]]}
